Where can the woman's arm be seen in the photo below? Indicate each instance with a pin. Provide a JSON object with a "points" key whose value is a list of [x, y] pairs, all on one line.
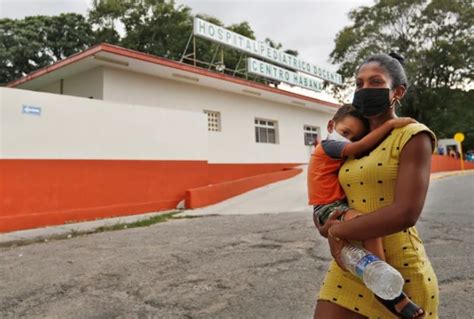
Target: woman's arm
{"points": [[410, 193]]}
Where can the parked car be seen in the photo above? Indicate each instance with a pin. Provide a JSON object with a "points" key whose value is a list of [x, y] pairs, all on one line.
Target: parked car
{"points": [[470, 156]]}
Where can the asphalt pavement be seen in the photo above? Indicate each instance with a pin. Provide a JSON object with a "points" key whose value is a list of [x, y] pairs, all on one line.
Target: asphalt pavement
{"points": [[228, 264]]}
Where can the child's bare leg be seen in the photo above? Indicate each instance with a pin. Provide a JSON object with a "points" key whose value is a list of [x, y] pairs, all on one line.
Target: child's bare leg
{"points": [[374, 245]]}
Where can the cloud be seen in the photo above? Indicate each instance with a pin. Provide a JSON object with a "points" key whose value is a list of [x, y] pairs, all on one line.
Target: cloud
{"points": [[18, 9], [309, 27]]}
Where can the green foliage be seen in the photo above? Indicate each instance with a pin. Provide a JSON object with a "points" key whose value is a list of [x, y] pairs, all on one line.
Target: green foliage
{"points": [[450, 111], [436, 39], [34, 42], [140, 223], [279, 46], [151, 26], [157, 27], [234, 59]]}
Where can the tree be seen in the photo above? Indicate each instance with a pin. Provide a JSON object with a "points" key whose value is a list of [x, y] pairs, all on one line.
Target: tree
{"points": [[105, 17], [157, 27], [436, 39], [451, 112], [151, 26], [235, 59], [279, 46], [34, 42], [161, 28]]}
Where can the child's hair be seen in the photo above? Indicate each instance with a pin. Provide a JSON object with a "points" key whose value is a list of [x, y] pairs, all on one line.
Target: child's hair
{"points": [[348, 110]]}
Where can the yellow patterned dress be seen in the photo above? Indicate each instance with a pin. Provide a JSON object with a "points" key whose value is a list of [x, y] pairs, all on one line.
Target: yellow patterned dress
{"points": [[369, 184]]}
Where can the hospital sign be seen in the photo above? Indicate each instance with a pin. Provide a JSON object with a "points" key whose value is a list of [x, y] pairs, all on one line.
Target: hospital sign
{"points": [[260, 49], [274, 72]]}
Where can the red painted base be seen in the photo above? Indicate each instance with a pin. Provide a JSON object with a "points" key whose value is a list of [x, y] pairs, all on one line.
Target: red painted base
{"points": [[37, 193], [215, 193], [441, 163]]}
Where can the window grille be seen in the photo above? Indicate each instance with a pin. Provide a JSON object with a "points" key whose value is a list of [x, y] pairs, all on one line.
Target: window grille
{"points": [[213, 121]]}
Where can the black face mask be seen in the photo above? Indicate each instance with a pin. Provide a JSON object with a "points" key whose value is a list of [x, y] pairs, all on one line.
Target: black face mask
{"points": [[371, 102]]}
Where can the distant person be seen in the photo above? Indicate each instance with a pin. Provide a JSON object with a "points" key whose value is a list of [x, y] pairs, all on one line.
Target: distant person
{"points": [[314, 144], [315, 141], [452, 153], [388, 186], [440, 150]]}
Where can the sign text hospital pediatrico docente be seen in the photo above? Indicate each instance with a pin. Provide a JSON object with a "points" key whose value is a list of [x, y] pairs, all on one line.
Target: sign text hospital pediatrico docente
{"points": [[274, 72], [260, 49]]}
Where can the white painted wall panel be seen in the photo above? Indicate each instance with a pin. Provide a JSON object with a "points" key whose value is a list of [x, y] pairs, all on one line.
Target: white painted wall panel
{"points": [[80, 128], [236, 142], [51, 88], [85, 84]]}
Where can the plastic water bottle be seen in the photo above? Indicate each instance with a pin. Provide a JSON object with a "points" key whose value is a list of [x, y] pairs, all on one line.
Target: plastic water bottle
{"points": [[381, 278]]}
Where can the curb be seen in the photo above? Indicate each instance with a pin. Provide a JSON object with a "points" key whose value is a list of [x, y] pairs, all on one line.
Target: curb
{"points": [[216, 193], [440, 175], [67, 231]]}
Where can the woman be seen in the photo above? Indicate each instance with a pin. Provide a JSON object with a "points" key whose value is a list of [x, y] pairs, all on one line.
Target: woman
{"points": [[389, 184]]}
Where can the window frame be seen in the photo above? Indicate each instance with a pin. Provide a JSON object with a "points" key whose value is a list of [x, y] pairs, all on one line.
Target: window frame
{"points": [[311, 130], [266, 125]]}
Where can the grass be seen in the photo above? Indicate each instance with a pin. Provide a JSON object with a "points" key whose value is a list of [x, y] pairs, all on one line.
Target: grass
{"points": [[160, 218], [142, 223]]}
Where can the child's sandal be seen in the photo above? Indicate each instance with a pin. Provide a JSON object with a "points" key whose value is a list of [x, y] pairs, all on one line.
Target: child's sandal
{"points": [[409, 311]]}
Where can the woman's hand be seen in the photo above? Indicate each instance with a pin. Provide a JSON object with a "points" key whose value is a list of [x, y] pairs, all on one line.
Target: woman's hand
{"points": [[336, 245], [402, 121], [332, 220]]}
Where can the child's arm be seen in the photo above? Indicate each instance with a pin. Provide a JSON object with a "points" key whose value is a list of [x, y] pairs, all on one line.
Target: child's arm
{"points": [[369, 141]]}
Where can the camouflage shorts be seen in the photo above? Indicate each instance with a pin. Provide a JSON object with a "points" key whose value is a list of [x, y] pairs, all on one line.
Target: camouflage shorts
{"points": [[322, 212]]}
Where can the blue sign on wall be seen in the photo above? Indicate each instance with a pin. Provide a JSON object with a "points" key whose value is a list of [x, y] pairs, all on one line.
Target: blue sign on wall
{"points": [[33, 110]]}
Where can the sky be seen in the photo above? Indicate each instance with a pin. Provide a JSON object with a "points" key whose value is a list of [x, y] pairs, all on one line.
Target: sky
{"points": [[308, 26]]}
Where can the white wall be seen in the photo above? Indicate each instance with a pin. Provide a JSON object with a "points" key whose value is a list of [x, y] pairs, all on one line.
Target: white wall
{"points": [[85, 84], [80, 128], [236, 142], [54, 87], [445, 142]]}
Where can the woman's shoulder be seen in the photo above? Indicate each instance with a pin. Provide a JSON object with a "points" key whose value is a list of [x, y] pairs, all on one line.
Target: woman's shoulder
{"points": [[403, 134], [413, 127]]}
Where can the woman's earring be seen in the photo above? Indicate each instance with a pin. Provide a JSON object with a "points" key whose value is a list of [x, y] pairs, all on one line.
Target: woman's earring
{"points": [[392, 103]]}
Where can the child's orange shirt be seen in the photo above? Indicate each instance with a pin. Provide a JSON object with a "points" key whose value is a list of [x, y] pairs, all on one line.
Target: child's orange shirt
{"points": [[323, 169]]}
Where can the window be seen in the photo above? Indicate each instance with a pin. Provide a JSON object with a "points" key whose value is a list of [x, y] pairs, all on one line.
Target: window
{"points": [[310, 134], [213, 121], [266, 131]]}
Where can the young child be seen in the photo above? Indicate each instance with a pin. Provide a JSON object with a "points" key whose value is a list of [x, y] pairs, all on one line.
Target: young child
{"points": [[348, 136]]}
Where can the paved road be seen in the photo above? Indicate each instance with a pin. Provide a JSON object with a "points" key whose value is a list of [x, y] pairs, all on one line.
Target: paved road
{"points": [[237, 266]]}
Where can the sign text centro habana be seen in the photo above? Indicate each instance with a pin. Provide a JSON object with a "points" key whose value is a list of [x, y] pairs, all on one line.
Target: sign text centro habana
{"points": [[234, 40], [274, 72]]}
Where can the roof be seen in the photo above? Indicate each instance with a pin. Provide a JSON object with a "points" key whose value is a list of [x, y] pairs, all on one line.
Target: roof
{"points": [[141, 62]]}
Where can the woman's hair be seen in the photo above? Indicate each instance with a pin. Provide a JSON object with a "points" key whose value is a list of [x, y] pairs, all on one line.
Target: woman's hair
{"points": [[393, 64]]}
